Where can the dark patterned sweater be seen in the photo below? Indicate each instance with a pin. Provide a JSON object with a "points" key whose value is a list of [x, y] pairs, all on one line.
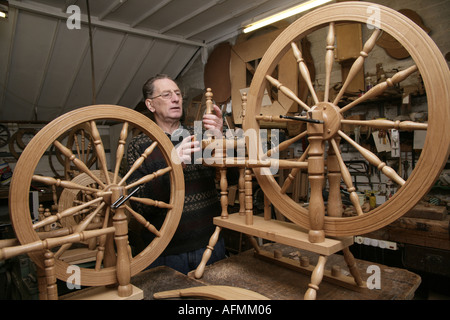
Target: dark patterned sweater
{"points": [[201, 203]]}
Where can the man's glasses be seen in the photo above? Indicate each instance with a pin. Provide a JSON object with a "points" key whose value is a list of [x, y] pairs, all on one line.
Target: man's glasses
{"points": [[168, 95]]}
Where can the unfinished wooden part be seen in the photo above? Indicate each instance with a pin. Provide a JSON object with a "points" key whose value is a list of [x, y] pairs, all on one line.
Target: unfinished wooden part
{"points": [[282, 232], [328, 118], [102, 293], [212, 292], [244, 53]]}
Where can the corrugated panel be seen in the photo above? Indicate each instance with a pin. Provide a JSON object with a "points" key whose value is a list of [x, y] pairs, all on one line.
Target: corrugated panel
{"points": [[45, 68]]}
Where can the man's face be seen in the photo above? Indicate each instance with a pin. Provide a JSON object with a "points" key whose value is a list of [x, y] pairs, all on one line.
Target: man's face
{"points": [[167, 102]]}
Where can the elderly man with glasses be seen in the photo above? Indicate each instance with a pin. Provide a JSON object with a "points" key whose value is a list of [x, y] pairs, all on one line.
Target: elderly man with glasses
{"points": [[164, 100]]}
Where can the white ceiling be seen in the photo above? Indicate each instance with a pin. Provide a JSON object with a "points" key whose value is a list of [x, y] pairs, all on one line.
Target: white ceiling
{"points": [[45, 67]]}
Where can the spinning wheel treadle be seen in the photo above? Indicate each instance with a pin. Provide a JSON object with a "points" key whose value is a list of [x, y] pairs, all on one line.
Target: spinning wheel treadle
{"points": [[114, 261], [324, 138]]}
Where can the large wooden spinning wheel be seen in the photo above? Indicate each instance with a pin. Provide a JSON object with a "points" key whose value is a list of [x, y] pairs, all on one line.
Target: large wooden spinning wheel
{"points": [[323, 158], [102, 195]]}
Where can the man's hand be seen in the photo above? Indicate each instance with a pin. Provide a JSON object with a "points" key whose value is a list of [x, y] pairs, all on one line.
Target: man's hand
{"points": [[186, 148], [214, 121]]}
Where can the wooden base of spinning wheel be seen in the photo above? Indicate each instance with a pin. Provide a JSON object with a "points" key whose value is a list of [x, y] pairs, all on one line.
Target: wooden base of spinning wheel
{"points": [[292, 235]]}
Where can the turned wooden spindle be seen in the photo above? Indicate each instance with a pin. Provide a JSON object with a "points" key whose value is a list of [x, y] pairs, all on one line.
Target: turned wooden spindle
{"points": [[47, 216], [285, 144], [248, 197], [316, 279], [291, 176], [80, 227], [289, 93], [148, 178], [241, 184], [50, 275], [139, 218], [316, 170], [137, 164], [224, 193], [388, 124], [100, 150], [123, 264], [207, 253], [209, 101], [267, 208], [42, 283], [347, 178], [209, 110], [120, 150], [374, 160], [78, 163], [334, 205], [68, 212], [381, 87], [304, 71], [358, 64], [244, 105], [329, 60]]}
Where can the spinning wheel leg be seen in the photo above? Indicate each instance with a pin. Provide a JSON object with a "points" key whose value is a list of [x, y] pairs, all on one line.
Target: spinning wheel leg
{"points": [[207, 254], [351, 264], [316, 279]]}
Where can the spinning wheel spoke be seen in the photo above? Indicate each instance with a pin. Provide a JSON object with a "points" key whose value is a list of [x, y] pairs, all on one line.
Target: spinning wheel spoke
{"points": [[143, 221], [347, 178], [304, 70], [381, 87], [62, 183], [291, 95], [78, 163], [387, 124], [100, 150], [80, 227], [329, 59], [66, 213], [148, 178], [374, 160], [120, 150], [358, 64], [138, 162], [151, 202], [284, 145], [291, 176]]}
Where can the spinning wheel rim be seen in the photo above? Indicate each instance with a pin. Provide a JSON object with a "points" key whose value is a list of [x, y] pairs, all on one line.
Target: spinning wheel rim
{"points": [[436, 148], [19, 188]]}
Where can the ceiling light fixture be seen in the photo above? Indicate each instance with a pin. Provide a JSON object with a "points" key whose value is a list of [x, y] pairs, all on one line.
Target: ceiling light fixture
{"points": [[4, 5], [285, 14]]}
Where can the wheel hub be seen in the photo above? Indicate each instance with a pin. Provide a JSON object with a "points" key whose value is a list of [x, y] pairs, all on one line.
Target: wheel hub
{"points": [[331, 117]]}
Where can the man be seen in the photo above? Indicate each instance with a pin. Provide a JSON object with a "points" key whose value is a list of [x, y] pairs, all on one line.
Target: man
{"points": [[163, 98]]}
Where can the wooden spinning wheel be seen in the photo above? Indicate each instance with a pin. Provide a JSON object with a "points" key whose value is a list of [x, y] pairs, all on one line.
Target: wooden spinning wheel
{"points": [[103, 200], [323, 160]]}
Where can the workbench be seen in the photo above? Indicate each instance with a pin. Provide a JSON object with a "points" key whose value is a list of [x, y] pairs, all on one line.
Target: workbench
{"points": [[277, 282]]}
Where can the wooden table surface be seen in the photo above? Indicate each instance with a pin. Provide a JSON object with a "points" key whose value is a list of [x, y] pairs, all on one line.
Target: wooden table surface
{"points": [[280, 283]]}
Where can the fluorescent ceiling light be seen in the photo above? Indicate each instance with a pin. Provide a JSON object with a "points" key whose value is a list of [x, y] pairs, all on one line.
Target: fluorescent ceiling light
{"points": [[2, 14], [285, 14]]}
